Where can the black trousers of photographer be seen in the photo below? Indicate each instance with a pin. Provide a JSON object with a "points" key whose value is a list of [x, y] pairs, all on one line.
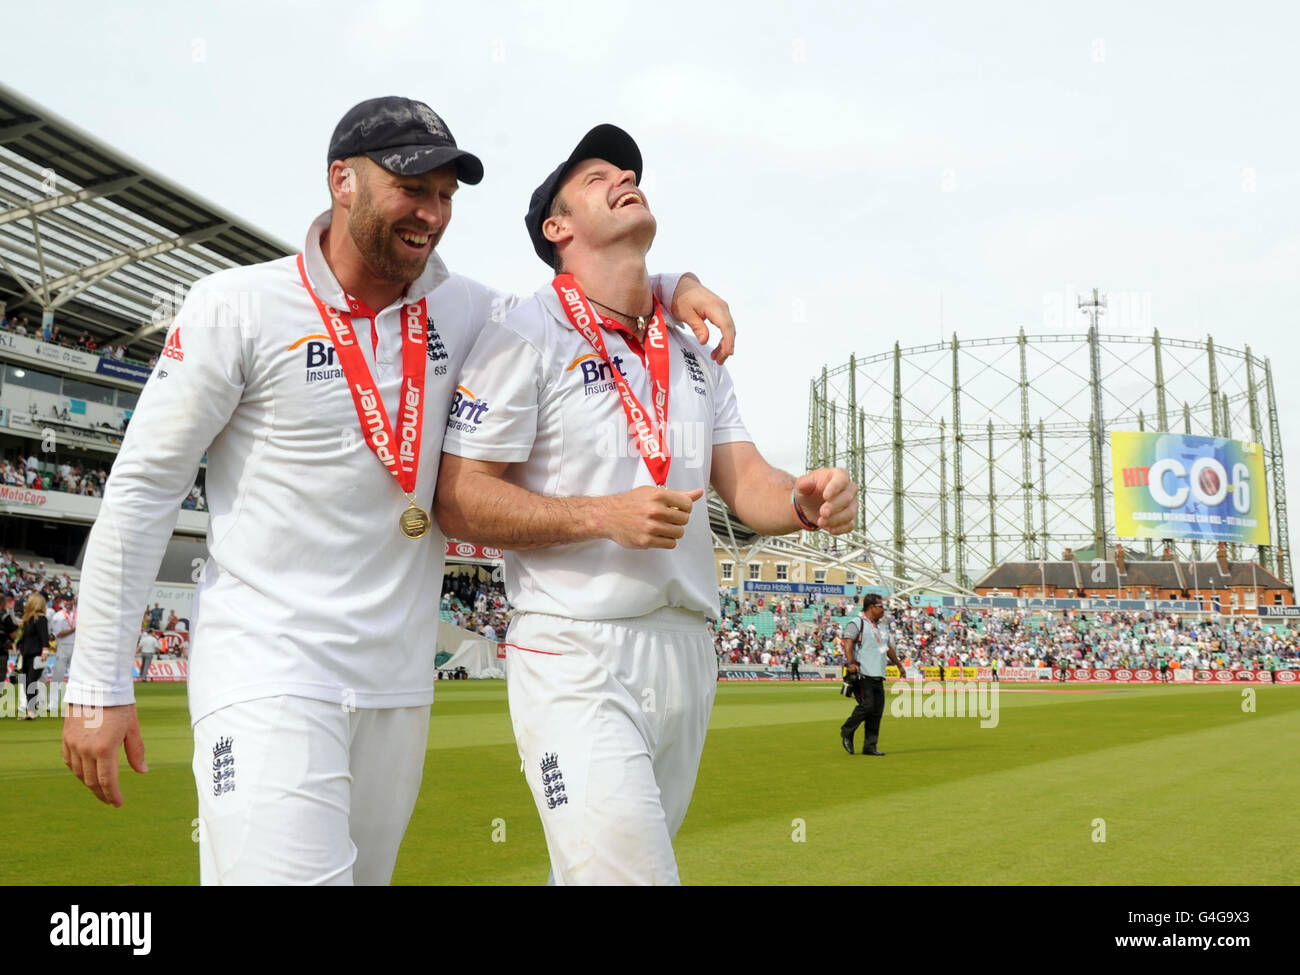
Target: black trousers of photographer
{"points": [[870, 708]]}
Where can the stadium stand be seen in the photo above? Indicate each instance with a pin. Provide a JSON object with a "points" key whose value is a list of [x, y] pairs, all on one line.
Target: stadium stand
{"points": [[98, 253]]}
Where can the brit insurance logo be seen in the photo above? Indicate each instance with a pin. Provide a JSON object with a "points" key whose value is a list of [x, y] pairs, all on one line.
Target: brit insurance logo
{"points": [[318, 358], [466, 411], [597, 377], [320, 364]]}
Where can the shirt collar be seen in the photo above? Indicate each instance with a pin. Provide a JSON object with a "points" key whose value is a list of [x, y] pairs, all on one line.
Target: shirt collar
{"points": [[327, 286]]}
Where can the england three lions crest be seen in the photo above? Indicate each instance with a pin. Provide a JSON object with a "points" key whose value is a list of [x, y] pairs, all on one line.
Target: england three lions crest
{"points": [[223, 766], [553, 781], [434, 349]]}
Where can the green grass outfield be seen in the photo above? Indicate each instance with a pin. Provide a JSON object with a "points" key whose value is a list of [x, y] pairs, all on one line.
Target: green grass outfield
{"points": [[1193, 790]]}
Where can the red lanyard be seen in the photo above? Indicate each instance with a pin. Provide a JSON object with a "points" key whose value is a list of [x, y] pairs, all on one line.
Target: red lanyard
{"points": [[400, 454], [649, 434]]}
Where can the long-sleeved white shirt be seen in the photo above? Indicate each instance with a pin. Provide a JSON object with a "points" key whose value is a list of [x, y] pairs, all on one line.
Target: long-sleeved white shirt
{"points": [[310, 589]]}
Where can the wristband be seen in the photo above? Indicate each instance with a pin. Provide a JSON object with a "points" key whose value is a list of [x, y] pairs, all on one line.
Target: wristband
{"points": [[798, 513]]}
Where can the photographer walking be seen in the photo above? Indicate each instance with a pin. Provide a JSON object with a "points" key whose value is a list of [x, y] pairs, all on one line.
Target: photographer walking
{"points": [[866, 646]]}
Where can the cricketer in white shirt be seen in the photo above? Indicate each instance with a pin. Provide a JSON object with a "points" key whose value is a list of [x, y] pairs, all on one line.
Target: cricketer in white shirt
{"points": [[610, 666], [63, 627]]}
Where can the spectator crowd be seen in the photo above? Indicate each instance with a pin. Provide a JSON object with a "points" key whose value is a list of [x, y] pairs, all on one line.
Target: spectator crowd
{"points": [[927, 636], [811, 628], [67, 338], [476, 605], [57, 474], [71, 476], [18, 583]]}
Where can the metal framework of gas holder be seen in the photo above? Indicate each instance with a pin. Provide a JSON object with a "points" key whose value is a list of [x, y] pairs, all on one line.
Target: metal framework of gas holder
{"points": [[873, 561], [971, 453]]}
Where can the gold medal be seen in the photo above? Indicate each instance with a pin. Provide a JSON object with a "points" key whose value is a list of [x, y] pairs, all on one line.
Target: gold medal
{"points": [[415, 521]]}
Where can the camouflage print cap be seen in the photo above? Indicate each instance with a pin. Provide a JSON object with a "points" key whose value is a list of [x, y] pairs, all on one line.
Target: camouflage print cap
{"points": [[402, 135]]}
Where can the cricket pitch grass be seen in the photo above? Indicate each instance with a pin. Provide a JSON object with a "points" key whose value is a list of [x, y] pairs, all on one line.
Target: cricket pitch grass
{"points": [[1074, 785]]}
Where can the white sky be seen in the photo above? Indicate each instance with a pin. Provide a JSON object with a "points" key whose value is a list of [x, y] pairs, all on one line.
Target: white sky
{"points": [[858, 161]]}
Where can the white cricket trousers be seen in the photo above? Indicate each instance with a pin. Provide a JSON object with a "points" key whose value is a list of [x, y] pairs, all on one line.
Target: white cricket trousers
{"points": [[610, 719], [298, 791], [62, 664]]}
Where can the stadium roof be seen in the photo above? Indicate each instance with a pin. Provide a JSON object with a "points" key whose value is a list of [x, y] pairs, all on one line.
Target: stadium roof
{"points": [[103, 242], [1015, 575]]}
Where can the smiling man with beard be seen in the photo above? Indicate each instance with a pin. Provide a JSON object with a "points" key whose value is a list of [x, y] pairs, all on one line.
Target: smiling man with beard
{"points": [[318, 386]]}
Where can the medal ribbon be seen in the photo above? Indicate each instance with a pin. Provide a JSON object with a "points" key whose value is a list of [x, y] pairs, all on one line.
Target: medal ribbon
{"points": [[646, 430], [400, 454]]}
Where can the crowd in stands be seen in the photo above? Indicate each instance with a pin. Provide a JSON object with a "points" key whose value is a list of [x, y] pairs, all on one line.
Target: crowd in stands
{"points": [[475, 605], [68, 338], [52, 474], [771, 632], [159, 620], [1090, 640], [768, 631], [55, 473], [20, 581]]}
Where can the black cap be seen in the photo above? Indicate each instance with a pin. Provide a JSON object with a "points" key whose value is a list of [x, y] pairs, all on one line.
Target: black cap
{"points": [[402, 135], [607, 142]]}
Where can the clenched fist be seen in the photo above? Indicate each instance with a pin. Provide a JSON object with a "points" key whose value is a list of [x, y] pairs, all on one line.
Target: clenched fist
{"points": [[648, 517], [828, 498]]}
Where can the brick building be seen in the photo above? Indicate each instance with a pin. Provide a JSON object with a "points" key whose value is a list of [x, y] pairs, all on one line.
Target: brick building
{"points": [[1239, 586], [783, 567]]}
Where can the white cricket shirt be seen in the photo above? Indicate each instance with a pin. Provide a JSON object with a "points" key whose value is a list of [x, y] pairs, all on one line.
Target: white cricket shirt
{"points": [[534, 393], [60, 626], [311, 589]]}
